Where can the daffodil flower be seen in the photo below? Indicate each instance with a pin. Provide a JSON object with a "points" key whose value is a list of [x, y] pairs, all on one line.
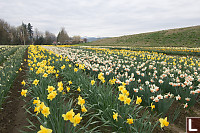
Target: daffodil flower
{"points": [[163, 122], [23, 92], [44, 130], [115, 115], [129, 121], [139, 100]]}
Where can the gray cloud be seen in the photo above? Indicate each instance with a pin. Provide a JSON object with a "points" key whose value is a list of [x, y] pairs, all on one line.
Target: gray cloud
{"points": [[101, 17]]}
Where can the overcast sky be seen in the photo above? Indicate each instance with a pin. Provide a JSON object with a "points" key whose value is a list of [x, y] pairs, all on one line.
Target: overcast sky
{"points": [[101, 18]]}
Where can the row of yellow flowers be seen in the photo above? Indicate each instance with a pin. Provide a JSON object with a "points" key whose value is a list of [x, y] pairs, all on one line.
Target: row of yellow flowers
{"points": [[45, 99]]}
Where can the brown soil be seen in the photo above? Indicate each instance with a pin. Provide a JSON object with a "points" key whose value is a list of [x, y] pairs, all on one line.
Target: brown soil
{"points": [[13, 116]]}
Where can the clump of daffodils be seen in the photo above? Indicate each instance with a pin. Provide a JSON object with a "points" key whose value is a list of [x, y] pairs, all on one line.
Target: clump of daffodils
{"points": [[70, 115], [40, 107], [101, 77], [60, 86], [62, 67], [52, 94], [124, 95], [81, 102], [112, 81]]}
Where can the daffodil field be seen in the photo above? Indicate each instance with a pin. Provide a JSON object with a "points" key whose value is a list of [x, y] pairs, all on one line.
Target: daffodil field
{"points": [[67, 99], [10, 62], [89, 89], [171, 50], [5, 52]]}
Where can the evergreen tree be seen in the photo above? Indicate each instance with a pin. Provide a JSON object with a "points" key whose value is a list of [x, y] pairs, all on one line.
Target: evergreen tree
{"points": [[62, 36], [30, 32]]}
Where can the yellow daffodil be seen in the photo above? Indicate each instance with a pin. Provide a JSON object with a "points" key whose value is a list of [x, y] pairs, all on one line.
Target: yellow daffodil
{"points": [[37, 109], [121, 87], [139, 100], [122, 97], [92, 82], [31, 69], [115, 115], [70, 82], [163, 122], [100, 75], [62, 67], [52, 95], [41, 106], [50, 89], [77, 119], [45, 75], [69, 115], [75, 69], [68, 88], [60, 84], [129, 121], [152, 106], [83, 109], [79, 89], [23, 82], [124, 91], [60, 89], [45, 111], [81, 101], [124, 84], [36, 101], [127, 101], [35, 82], [112, 81], [23, 92], [81, 66], [44, 130]]}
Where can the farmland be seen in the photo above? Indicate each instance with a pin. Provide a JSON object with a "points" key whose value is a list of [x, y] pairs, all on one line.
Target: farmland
{"points": [[92, 89], [180, 37]]}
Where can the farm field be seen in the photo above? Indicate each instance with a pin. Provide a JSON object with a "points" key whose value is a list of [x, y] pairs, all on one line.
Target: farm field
{"points": [[67, 89], [179, 37]]}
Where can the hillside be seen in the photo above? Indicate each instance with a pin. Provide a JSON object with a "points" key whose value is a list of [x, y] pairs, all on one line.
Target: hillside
{"points": [[184, 37]]}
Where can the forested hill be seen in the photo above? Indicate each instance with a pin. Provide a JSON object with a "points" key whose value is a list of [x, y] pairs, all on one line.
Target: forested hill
{"points": [[184, 37]]}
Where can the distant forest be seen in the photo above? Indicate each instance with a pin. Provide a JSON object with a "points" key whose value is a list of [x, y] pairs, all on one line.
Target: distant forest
{"points": [[25, 35]]}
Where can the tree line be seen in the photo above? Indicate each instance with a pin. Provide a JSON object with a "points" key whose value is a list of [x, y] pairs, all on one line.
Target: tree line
{"points": [[25, 35]]}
